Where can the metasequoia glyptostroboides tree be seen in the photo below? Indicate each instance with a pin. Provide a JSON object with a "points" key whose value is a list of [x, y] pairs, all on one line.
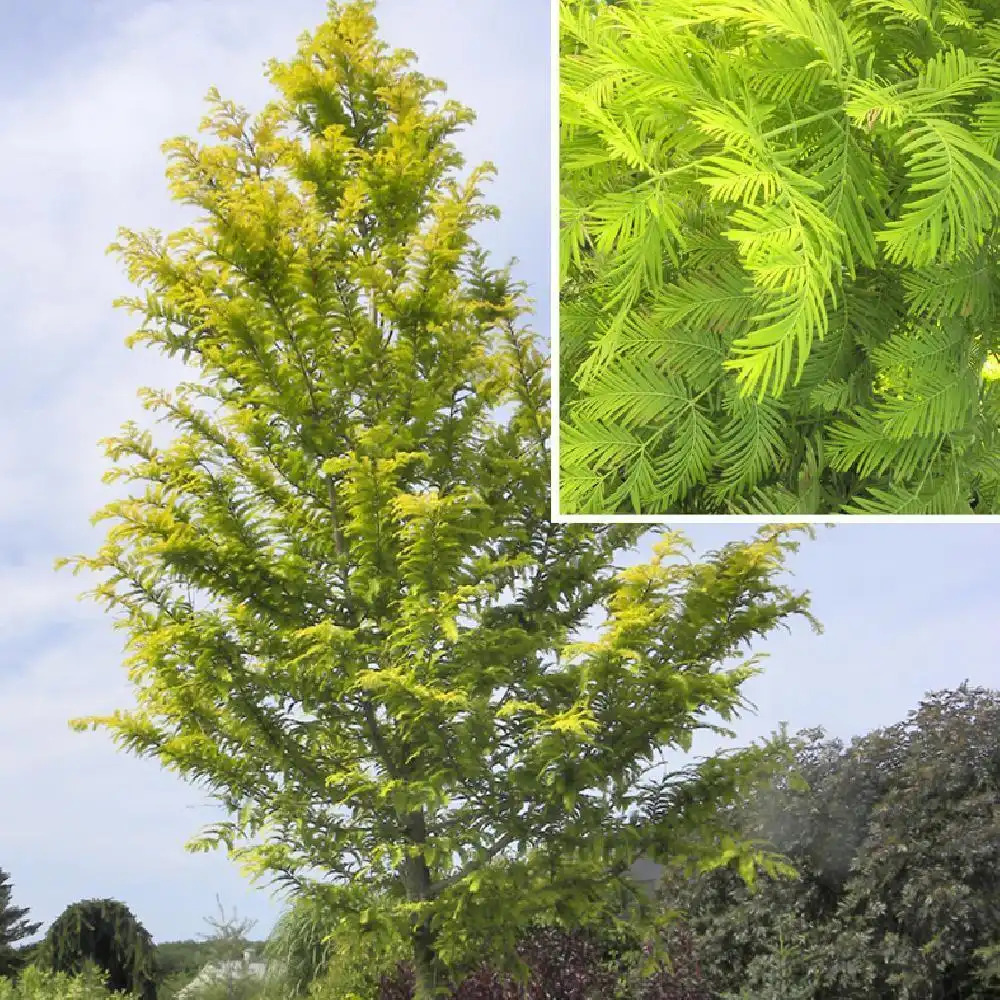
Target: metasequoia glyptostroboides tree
{"points": [[348, 613]]}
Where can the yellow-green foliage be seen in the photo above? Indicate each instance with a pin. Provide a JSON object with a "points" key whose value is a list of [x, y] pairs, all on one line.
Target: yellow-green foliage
{"points": [[318, 959], [779, 256], [38, 984], [348, 613]]}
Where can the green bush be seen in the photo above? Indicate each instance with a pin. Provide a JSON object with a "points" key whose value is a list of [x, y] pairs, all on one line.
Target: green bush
{"points": [[322, 962], [41, 984], [896, 839], [172, 983], [106, 933]]}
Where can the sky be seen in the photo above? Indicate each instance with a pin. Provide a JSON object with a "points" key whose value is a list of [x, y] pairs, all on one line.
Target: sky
{"points": [[87, 94]]}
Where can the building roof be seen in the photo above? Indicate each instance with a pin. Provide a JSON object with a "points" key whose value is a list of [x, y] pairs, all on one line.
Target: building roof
{"points": [[647, 873], [214, 972]]}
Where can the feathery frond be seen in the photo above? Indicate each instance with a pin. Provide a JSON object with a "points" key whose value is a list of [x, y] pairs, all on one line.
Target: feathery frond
{"points": [[779, 251]]}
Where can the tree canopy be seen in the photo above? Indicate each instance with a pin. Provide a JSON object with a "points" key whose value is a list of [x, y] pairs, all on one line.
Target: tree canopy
{"points": [[348, 614], [896, 839], [779, 257]]}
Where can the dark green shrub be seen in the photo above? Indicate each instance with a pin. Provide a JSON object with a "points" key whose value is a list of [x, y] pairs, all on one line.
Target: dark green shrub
{"points": [[103, 932]]}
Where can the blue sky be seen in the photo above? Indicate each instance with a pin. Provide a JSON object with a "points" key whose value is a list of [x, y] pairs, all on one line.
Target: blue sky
{"points": [[87, 93]]}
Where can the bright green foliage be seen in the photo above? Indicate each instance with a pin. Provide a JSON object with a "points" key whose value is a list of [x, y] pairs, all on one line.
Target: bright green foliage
{"points": [[301, 942], [105, 933], [779, 256], [313, 956], [348, 614], [39, 984]]}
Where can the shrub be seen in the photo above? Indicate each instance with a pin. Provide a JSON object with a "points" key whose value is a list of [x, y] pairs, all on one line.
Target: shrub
{"points": [[896, 838], [106, 933], [577, 965], [42, 984]]}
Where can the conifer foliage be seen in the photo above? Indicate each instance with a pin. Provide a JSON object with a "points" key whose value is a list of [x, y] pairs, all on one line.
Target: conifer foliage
{"points": [[106, 934], [14, 927], [349, 616], [779, 256]]}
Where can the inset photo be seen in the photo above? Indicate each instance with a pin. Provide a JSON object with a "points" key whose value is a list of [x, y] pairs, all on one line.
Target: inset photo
{"points": [[779, 258]]}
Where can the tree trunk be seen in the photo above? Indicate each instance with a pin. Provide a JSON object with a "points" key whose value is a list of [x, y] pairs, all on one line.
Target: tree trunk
{"points": [[431, 976]]}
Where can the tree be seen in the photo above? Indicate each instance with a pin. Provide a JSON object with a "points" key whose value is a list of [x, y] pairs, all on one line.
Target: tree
{"points": [[104, 933], [14, 927], [229, 946], [779, 255], [349, 615], [897, 844], [228, 938]]}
